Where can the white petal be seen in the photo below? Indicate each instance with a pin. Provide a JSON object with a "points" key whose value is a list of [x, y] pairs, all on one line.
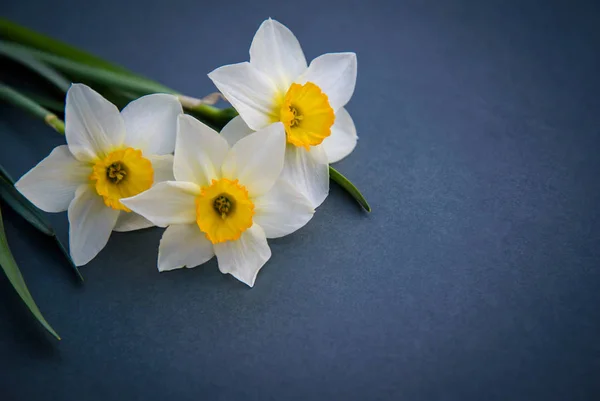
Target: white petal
{"points": [[257, 159], [90, 224], [163, 168], [183, 245], [51, 185], [199, 152], [151, 123], [308, 172], [166, 203], [235, 130], [244, 257], [251, 92], [343, 138], [130, 221], [276, 52], [335, 74], [93, 125], [282, 210]]}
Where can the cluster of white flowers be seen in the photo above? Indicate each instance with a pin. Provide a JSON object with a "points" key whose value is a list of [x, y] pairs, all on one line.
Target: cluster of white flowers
{"points": [[217, 194]]}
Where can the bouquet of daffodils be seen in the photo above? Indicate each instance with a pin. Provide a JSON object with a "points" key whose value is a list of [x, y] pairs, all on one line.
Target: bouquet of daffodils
{"points": [[160, 161]]}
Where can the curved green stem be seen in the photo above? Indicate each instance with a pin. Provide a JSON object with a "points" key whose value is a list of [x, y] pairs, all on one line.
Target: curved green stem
{"points": [[128, 85], [29, 61], [20, 34], [12, 96]]}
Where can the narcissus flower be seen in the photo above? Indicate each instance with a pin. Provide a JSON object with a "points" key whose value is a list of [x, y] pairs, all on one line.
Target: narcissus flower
{"points": [[108, 156], [226, 201], [278, 86]]}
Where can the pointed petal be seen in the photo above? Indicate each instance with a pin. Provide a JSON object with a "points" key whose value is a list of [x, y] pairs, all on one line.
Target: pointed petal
{"points": [[151, 123], [166, 203], [163, 168], [93, 125], [276, 52], [51, 185], [90, 224], [251, 92], [131, 221], [235, 130], [183, 245], [343, 138], [308, 172], [282, 210], [335, 74], [244, 257], [257, 159], [199, 152]]}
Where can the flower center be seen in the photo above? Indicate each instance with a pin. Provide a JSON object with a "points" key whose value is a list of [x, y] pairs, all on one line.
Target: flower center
{"points": [[121, 174], [306, 114], [223, 205], [116, 172], [224, 210], [297, 117]]}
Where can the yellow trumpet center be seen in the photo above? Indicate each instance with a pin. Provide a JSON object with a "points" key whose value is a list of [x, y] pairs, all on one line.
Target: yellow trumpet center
{"points": [[224, 210], [121, 174], [306, 114]]}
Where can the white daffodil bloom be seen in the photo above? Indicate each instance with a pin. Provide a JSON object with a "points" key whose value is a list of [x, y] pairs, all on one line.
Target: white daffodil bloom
{"points": [[226, 201], [108, 156], [277, 85]]}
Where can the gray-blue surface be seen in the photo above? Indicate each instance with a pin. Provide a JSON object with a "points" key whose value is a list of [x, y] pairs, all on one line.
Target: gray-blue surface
{"points": [[475, 277]]}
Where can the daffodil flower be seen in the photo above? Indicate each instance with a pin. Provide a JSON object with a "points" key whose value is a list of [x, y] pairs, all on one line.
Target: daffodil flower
{"points": [[226, 200], [108, 156], [276, 85]]}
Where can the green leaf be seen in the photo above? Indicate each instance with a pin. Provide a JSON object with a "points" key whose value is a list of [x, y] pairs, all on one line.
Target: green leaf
{"points": [[23, 207], [20, 204], [4, 174], [349, 187], [90, 74], [9, 265], [17, 33], [26, 59], [55, 53]]}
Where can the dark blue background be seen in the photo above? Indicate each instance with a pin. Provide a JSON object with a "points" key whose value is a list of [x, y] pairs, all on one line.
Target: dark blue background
{"points": [[475, 277]]}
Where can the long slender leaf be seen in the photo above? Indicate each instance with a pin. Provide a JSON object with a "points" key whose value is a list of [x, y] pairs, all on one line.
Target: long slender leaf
{"points": [[17, 202], [91, 73], [105, 74], [20, 34], [29, 212], [4, 174], [9, 265], [26, 59], [349, 187]]}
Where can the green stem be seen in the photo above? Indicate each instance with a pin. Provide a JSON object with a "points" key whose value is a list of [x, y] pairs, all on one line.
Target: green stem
{"points": [[29, 61], [10, 95], [45, 101], [136, 86], [98, 75], [25, 36]]}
